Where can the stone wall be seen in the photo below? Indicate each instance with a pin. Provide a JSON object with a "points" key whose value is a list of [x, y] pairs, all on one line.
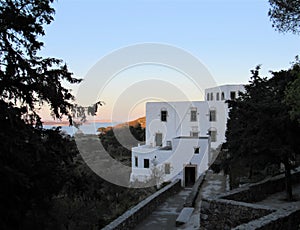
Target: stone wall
{"points": [[279, 220], [259, 191], [226, 214], [139, 212], [235, 209]]}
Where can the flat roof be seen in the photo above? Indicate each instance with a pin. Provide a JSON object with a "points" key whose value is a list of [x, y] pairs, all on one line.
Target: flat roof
{"points": [[227, 85], [189, 137]]}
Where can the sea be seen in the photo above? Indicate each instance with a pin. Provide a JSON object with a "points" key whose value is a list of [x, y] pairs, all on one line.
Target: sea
{"points": [[89, 128]]}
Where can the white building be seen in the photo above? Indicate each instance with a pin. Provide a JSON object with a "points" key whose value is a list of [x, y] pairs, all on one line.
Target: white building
{"points": [[179, 136]]}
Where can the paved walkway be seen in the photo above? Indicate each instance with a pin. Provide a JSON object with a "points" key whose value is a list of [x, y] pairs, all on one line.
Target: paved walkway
{"points": [[213, 184], [164, 217], [278, 200]]}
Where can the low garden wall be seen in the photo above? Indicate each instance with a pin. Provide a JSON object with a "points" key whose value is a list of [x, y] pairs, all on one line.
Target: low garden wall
{"points": [[259, 191], [279, 220], [135, 215], [236, 209], [226, 214]]}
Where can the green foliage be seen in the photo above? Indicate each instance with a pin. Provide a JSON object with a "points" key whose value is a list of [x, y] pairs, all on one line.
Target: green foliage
{"points": [[27, 80], [44, 182], [292, 94], [33, 168], [89, 202], [112, 144], [259, 129], [285, 15], [34, 163], [79, 111], [259, 119]]}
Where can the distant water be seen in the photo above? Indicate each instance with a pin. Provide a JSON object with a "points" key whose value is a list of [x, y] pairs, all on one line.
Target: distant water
{"points": [[90, 128]]}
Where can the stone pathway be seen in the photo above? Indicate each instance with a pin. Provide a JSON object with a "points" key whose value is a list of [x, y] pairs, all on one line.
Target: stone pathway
{"points": [[164, 217], [213, 184], [277, 200]]}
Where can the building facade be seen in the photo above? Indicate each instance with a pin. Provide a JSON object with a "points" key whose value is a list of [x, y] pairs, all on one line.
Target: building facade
{"points": [[180, 135]]}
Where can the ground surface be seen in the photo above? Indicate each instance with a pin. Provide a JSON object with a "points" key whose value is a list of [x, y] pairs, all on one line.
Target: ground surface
{"points": [[213, 184], [164, 217], [277, 200]]}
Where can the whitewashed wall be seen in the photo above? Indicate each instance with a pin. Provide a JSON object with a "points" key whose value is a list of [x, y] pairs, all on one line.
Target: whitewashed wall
{"points": [[181, 154], [221, 109], [178, 128], [178, 121]]}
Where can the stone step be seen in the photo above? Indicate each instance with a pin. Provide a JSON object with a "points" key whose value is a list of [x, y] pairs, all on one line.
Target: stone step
{"points": [[184, 216]]}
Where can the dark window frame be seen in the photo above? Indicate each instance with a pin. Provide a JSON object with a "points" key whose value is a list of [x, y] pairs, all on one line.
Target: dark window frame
{"points": [[212, 115], [222, 96], [232, 95], [156, 138], [146, 163], [169, 143], [193, 115], [163, 115], [167, 168], [213, 135], [194, 133]]}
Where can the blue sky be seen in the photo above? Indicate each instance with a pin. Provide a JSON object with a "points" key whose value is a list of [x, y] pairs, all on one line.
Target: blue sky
{"points": [[230, 37]]}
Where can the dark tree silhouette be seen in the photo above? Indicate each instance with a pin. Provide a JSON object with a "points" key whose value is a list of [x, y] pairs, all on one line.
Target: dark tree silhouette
{"points": [[27, 81], [292, 94], [44, 182], [33, 161], [285, 15], [259, 127]]}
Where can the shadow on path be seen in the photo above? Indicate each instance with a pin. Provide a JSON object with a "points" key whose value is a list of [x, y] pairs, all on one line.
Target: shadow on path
{"points": [[164, 217]]}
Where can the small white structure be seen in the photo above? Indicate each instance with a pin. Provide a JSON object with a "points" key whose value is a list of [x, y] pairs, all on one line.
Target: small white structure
{"points": [[179, 136]]}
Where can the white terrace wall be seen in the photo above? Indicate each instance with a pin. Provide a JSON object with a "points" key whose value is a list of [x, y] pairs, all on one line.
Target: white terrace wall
{"points": [[182, 154]]}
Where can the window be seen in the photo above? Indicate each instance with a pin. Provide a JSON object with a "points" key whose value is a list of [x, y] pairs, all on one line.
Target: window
{"points": [[158, 139], [211, 96], [213, 135], [167, 168], [194, 114], [136, 161], [169, 143], [212, 115], [222, 96], [194, 134], [146, 163], [207, 97], [163, 115], [232, 95], [196, 150], [218, 96]]}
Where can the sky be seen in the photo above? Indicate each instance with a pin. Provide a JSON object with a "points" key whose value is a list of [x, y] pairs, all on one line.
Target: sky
{"points": [[229, 37]]}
